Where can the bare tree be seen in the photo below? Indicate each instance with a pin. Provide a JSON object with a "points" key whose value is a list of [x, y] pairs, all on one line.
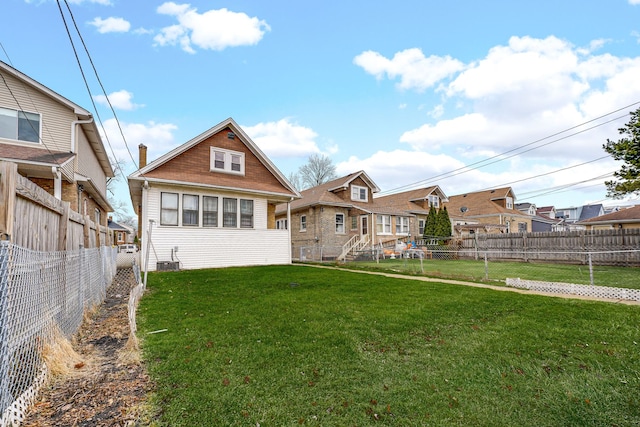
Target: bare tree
{"points": [[294, 179], [318, 170]]}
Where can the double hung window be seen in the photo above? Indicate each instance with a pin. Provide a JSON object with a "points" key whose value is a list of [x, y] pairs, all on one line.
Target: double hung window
{"points": [[19, 125], [168, 209], [227, 161], [190, 209], [339, 223], [383, 224], [209, 211]]}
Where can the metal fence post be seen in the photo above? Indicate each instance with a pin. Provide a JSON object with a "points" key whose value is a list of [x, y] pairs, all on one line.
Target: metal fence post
{"points": [[486, 267], [5, 397], [590, 270]]}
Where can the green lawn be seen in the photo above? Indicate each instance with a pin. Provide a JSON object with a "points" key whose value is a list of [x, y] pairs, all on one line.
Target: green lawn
{"points": [[498, 271], [298, 345]]}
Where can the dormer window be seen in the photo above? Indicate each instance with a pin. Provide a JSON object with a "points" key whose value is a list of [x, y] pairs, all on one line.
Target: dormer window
{"points": [[227, 161], [509, 202], [434, 201], [359, 194]]}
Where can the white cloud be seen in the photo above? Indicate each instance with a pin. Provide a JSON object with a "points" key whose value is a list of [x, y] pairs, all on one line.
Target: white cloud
{"points": [[530, 107], [634, 2], [283, 139], [215, 29], [111, 25], [158, 137], [120, 100], [414, 69]]}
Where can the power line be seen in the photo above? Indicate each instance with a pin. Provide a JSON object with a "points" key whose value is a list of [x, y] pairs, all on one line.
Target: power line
{"points": [[482, 163], [87, 85]]}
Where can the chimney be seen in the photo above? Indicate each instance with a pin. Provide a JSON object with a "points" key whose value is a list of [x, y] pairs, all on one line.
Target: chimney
{"points": [[142, 155]]}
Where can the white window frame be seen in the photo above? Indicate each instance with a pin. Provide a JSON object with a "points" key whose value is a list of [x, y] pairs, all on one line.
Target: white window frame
{"points": [[232, 162], [165, 210], [359, 193], [303, 223], [246, 211], [12, 121], [383, 224], [421, 224], [205, 222], [402, 225], [434, 201], [281, 224], [185, 211], [340, 228], [509, 203]]}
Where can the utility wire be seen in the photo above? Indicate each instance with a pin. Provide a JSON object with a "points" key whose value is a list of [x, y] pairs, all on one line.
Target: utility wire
{"points": [[482, 163], [87, 84], [545, 174]]}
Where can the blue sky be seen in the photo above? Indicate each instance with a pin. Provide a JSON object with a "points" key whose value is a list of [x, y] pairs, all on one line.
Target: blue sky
{"points": [[463, 94]]}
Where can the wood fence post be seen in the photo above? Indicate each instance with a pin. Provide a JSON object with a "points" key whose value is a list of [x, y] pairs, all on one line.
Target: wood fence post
{"points": [[8, 172], [87, 232], [63, 226]]}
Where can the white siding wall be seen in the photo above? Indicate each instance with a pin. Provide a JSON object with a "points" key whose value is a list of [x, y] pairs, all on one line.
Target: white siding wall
{"points": [[56, 119], [210, 247]]}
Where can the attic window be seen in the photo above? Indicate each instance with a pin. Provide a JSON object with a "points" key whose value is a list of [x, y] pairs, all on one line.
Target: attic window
{"points": [[359, 193], [226, 161], [509, 202], [231, 135]]}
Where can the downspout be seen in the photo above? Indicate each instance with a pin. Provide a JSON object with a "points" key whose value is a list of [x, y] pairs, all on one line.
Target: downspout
{"points": [[73, 132], [289, 229], [57, 182]]}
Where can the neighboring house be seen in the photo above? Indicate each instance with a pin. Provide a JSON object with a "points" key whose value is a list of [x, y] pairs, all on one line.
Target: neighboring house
{"points": [[211, 203], [55, 143], [547, 211], [625, 218], [527, 208], [415, 204], [342, 216], [542, 219], [121, 234], [573, 215], [489, 211]]}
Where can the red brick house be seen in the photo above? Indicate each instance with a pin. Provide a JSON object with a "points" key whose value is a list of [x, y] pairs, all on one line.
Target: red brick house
{"points": [[211, 203]]}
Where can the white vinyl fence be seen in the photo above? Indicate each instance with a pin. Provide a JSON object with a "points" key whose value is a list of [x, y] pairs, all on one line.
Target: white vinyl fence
{"points": [[43, 295]]}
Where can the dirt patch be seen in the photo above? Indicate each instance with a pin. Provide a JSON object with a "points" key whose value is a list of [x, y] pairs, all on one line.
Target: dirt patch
{"points": [[109, 386]]}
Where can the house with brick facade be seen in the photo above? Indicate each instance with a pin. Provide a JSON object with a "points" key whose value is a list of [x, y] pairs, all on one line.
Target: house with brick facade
{"points": [[344, 216], [211, 202], [625, 218], [488, 211], [54, 143]]}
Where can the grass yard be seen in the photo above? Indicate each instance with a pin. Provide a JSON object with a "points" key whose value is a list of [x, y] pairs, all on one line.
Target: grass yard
{"points": [[298, 345], [612, 276]]}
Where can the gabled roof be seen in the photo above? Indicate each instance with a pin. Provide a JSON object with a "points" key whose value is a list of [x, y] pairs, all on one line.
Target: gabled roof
{"points": [[139, 176], [90, 129], [407, 200], [591, 211], [323, 194], [481, 203], [621, 216]]}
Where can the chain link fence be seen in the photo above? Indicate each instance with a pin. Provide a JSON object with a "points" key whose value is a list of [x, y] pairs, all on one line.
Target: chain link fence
{"points": [[43, 297], [528, 269]]}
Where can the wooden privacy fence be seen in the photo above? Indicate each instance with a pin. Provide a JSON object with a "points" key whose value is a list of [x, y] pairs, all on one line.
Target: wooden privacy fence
{"points": [[605, 246], [32, 218]]}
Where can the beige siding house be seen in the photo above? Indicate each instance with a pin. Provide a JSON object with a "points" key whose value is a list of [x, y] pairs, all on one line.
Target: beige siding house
{"points": [[489, 211], [622, 219], [55, 144], [211, 203]]}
